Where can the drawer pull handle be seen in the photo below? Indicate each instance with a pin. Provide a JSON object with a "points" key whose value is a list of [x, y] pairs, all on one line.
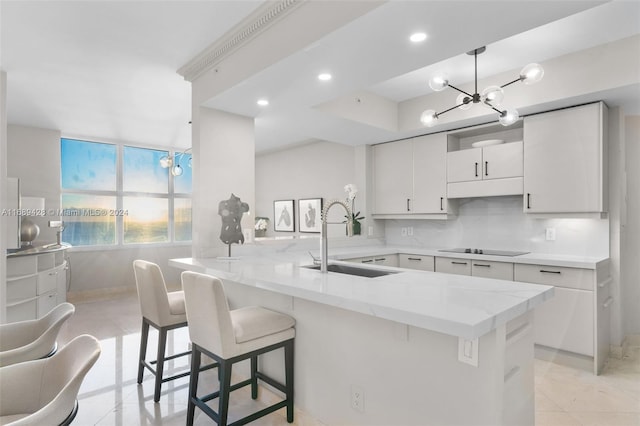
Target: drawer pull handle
{"points": [[367, 261], [486, 168], [484, 266], [511, 373], [550, 272], [441, 200], [528, 200], [476, 169], [607, 302], [381, 259], [414, 258], [605, 283], [53, 273], [408, 208], [458, 263]]}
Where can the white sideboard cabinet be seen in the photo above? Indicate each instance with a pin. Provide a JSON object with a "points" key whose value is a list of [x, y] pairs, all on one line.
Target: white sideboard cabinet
{"points": [[565, 161], [35, 284], [410, 177]]}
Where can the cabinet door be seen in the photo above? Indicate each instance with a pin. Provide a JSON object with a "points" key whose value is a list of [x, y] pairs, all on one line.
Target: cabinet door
{"points": [[413, 261], [386, 260], [61, 283], [566, 321], [393, 177], [47, 302], [563, 161], [497, 270], [502, 161], [464, 165], [448, 265], [430, 174]]}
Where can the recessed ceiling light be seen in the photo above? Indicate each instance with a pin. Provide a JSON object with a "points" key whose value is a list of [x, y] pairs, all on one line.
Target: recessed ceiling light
{"points": [[262, 102], [418, 37], [324, 76]]}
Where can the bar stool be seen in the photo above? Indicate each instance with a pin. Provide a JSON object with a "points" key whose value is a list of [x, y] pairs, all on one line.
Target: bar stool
{"points": [[229, 337], [164, 311]]}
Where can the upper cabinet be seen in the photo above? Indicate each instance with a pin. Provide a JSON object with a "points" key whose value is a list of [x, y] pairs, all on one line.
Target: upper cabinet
{"points": [[565, 157], [485, 161], [410, 177]]}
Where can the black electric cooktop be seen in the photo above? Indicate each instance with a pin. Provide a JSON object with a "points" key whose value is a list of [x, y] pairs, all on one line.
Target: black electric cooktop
{"points": [[485, 251]]}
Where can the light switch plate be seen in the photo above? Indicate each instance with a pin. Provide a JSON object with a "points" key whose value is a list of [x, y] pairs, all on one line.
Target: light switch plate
{"points": [[550, 234], [468, 351]]}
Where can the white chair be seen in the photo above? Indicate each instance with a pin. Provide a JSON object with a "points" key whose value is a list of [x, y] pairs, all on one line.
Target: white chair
{"points": [[161, 309], [229, 337], [45, 391], [32, 339]]}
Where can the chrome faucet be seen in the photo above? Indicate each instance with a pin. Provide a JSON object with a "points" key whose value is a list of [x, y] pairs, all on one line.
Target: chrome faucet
{"points": [[324, 246]]}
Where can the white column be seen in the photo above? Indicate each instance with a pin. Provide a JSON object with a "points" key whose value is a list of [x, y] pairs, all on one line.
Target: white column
{"points": [[3, 192], [223, 164]]}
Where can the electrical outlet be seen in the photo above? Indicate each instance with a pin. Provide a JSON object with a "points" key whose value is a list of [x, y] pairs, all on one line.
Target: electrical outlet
{"points": [[403, 232], [468, 351], [357, 398], [550, 234], [410, 231]]}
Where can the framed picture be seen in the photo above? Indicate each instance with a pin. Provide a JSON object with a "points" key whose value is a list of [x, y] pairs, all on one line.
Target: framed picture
{"points": [[309, 213], [284, 216]]}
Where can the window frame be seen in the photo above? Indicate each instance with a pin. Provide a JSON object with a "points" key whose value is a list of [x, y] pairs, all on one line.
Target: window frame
{"points": [[119, 195]]}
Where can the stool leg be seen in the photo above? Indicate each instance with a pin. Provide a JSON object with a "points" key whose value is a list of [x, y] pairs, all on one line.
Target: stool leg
{"points": [[162, 344], [225, 385], [144, 337], [254, 377], [196, 356], [288, 368]]}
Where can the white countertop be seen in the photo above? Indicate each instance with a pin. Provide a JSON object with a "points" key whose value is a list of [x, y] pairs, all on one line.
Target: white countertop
{"points": [[530, 258], [457, 305]]}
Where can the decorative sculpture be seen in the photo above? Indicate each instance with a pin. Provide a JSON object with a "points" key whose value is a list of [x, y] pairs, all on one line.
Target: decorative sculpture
{"points": [[231, 212]]}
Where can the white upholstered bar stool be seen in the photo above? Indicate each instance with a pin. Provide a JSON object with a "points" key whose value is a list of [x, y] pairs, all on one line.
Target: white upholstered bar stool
{"points": [[229, 337], [163, 310], [32, 339]]}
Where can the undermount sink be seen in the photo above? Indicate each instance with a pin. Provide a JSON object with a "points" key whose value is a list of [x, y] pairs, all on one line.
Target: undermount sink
{"points": [[353, 270]]}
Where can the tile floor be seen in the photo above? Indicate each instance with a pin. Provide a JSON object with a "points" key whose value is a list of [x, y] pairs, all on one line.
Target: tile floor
{"points": [[110, 395]]}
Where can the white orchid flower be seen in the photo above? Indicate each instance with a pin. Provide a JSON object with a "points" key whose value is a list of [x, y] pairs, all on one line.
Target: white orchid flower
{"points": [[351, 189]]}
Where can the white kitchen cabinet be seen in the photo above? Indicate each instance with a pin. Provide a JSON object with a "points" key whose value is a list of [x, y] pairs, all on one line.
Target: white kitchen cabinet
{"points": [[414, 261], [384, 260], [502, 161], [565, 158], [576, 319], [490, 269], [464, 165], [34, 284], [410, 176], [449, 265]]}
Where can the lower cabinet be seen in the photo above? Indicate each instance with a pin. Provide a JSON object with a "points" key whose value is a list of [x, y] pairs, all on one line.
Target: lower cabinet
{"points": [[384, 260], [448, 265], [414, 261], [495, 270]]}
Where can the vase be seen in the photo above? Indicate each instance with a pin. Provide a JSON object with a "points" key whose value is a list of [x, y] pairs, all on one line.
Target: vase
{"points": [[260, 233], [356, 228]]}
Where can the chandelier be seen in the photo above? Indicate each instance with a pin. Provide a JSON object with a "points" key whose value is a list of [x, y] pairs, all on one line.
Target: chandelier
{"points": [[491, 97], [173, 162]]}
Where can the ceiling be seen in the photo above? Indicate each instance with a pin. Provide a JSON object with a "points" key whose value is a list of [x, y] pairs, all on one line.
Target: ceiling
{"points": [[107, 70]]}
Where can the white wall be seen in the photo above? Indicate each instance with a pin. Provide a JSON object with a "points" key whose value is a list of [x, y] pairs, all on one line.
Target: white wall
{"points": [[315, 170], [33, 155], [630, 239], [3, 191]]}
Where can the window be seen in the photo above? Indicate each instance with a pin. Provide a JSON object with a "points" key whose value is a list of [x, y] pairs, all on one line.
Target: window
{"points": [[115, 195]]}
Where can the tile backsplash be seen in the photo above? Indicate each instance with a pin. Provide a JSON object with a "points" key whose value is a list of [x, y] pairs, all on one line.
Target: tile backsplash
{"points": [[500, 223]]}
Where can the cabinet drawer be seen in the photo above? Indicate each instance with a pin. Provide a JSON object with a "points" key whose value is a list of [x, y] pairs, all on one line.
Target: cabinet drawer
{"points": [[413, 261], [22, 311], [21, 288], [566, 321], [450, 265], [582, 279], [47, 302], [48, 281], [496, 270]]}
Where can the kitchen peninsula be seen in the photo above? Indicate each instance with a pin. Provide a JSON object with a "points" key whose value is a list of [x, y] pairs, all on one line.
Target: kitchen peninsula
{"points": [[410, 347]]}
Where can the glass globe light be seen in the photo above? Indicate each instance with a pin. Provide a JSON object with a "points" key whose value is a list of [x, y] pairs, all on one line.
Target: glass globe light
{"points": [[531, 73], [177, 170], [508, 117], [190, 158], [166, 162], [438, 82], [492, 96], [429, 118], [463, 103]]}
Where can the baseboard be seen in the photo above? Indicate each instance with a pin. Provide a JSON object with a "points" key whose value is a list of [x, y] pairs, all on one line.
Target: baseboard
{"points": [[99, 294], [559, 356]]}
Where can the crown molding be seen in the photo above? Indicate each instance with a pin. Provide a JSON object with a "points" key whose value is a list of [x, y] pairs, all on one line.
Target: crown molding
{"points": [[246, 30]]}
